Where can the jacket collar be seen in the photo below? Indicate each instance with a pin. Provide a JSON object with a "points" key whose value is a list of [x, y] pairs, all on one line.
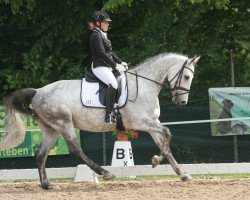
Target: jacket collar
{"points": [[104, 35]]}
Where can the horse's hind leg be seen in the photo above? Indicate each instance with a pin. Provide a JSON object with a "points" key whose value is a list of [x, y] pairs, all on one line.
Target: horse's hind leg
{"points": [[162, 137], [49, 138], [68, 133]]}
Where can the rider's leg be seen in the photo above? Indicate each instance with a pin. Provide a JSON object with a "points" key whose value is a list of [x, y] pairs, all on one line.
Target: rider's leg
{"points": [[106, 76], [110, 101]]}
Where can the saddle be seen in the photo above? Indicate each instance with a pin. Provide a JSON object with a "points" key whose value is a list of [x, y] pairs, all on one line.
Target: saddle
{"points": [[93, 94], [91, 78], [93, 91]]}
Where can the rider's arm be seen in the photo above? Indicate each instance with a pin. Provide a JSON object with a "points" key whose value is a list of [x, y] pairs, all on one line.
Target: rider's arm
{"points": [[116, 58]]}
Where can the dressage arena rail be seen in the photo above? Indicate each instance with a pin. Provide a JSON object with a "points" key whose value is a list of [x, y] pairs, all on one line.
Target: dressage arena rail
{"points": [[204, 121], [82, 172]]}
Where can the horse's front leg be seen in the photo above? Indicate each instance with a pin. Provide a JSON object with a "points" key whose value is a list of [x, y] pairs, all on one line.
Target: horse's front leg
{"points": [[162, 136]]}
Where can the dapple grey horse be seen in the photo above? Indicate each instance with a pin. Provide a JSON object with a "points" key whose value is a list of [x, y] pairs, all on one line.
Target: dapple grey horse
{"points": [[58, 110]]}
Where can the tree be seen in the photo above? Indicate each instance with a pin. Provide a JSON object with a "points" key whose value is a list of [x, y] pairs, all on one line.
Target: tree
{"points": [[42, 42], [45, 41]]}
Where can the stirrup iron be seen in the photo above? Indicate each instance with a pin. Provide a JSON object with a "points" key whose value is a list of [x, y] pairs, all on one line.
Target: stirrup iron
{"points": [[110, 118]]}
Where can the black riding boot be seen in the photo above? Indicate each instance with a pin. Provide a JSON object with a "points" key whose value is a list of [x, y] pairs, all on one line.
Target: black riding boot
{"points": [[110, 101]]}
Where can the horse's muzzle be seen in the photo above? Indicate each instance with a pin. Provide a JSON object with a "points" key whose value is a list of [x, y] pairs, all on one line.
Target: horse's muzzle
{"points": [[181, 103], [178, 101]]}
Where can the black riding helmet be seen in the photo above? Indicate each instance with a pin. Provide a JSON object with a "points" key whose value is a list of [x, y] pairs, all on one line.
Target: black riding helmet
{"points": [[99, 16]]}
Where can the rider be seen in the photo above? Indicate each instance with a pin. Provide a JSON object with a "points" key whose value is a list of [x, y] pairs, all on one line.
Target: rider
{"points": [[104, 60]]}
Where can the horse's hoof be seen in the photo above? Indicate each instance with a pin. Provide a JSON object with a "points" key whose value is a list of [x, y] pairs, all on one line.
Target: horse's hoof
{"points": [[108, 176], [186, 177], [46, 185], [155, 161]]}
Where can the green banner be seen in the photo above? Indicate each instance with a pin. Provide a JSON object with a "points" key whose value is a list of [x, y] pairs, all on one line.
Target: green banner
{"points": [[226, 103], [32, 140], [30, 123]]}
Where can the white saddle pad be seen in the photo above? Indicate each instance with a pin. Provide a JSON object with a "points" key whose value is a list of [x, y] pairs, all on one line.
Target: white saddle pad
{"points": [[90, 94]]}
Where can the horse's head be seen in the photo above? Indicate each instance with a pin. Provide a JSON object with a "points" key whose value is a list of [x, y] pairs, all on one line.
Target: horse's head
{"points": [[180, 78]]}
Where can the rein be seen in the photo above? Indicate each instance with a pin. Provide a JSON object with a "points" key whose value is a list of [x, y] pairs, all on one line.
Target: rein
{"points": [[165, 83]]}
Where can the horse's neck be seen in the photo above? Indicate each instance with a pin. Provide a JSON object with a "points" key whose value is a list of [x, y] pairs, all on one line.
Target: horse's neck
{"points": [[151, 71], [156, 70]]}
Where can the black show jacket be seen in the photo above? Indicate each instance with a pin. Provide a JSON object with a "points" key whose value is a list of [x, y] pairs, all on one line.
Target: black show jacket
{"points": [[101, 50]]}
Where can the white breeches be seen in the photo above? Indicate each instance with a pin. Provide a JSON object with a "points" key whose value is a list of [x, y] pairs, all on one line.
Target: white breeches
{"points": [[105, 75]]}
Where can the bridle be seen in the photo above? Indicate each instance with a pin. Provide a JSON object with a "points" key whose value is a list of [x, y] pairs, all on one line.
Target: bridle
{"points": [[179, 75], [166, 83]]}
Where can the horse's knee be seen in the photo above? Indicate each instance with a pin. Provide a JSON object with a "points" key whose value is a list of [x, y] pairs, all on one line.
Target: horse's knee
{"points": [[167, 133]]}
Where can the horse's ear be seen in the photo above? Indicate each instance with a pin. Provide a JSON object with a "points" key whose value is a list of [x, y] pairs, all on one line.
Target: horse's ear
{"points": [[194, 60]]}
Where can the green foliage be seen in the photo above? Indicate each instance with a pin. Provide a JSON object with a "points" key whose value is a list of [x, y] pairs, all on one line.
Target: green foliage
{"points": [[131, 133], [113, 5], [222, 4], [16, 6], [45, 41]]}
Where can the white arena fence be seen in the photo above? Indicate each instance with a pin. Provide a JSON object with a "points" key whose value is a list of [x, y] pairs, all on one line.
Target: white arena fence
{"points": [[84, 173]]}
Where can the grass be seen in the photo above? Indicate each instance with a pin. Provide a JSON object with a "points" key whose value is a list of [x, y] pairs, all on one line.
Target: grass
{"points": [[175, 177], [140, 178]]}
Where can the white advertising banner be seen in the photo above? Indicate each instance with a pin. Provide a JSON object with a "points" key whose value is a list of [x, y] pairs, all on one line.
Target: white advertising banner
{"points": [[230, 103]]}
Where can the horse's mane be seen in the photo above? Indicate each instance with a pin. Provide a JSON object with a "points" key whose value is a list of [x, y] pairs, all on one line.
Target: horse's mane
{"points": [[156, 57]]}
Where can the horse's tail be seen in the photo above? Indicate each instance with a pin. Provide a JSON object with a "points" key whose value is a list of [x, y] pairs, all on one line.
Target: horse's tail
{"points": [[17, 104]]}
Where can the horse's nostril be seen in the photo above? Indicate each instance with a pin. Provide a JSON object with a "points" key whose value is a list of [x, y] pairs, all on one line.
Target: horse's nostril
{"points": [[183, 102]]}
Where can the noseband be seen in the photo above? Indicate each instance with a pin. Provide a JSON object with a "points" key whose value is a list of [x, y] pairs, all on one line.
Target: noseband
{"points": [[166, 83]]}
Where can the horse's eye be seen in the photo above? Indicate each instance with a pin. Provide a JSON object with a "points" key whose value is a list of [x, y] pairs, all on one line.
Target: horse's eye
{"points": [[186, 77]]}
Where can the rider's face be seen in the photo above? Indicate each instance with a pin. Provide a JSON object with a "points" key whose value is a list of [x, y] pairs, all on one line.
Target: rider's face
{"points": [[105, 25]]}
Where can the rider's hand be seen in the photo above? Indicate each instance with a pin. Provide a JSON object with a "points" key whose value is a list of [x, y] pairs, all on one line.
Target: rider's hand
{"points": [[120, 67], [125, 65]]}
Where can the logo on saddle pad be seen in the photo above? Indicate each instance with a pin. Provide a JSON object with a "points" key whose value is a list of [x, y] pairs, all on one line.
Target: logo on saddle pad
{"points": [[93, 92]]}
